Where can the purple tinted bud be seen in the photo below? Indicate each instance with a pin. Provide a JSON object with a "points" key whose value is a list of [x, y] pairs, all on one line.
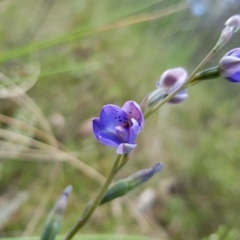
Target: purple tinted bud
{"points": [[118, 127], [61, 203], [53, 223], [233, 22], [171, 80], [123, 186], [230, 65], [232, 25], [144, 175], [225, 36]]}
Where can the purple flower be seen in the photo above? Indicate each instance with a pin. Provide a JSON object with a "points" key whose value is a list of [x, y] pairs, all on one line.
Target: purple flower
{"points": [[171, 80], [229, 65], [118, 127]]}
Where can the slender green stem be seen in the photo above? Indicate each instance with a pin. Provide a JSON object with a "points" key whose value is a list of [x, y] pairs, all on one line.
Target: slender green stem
{"points": [[123, 162], [190, 78], [88, 213]]}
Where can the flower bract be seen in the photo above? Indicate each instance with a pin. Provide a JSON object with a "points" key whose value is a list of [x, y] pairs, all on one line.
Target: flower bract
{"points": [[118, 127]]}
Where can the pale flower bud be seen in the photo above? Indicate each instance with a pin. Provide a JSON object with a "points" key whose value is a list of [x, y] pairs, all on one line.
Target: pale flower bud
{"points": [[171, 80], [232, 25], [233, 22]]}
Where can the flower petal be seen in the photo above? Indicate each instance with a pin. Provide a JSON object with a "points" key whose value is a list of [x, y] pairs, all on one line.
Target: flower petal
{"points": [[122, 133], [179, 97], [234, 78], [125, 148], [172, 78], [234, 52], [133, 110], [133, 131], [112, 116], [102, 136], [97, 127], [109, 139], [230, 66]]}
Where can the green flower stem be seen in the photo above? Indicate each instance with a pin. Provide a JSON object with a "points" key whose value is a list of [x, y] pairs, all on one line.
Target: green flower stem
{"points": [[123, 162], [88, 212], [190, 78]]}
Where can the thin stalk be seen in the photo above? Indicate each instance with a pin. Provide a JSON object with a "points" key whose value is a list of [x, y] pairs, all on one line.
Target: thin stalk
{"points": [[80, 223], [123, 162]]}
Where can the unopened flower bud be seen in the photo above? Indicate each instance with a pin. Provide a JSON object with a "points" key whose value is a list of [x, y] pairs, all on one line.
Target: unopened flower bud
{"points": [[229, 65], [233, 22], [144, 175], [232, 25], [53, 223], [225, 36], [122, 187], [171, 80]]}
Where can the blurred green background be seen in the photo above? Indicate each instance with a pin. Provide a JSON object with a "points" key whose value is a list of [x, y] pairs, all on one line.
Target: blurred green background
{"points": [[82, 54]]}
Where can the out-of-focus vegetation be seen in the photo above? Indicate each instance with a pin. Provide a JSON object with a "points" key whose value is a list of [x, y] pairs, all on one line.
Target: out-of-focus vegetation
{"points": [[93, 53]]}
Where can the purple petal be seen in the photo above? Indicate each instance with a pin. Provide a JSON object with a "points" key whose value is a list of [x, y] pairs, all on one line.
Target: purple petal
{"points": [[97, 127], [230, 65], [179, 97], [122, 133], [234, 78], [125, 148], [171, 78], [167, 79], [109, 139], [234, 52], [112, 116], [133, 131], [133, 110], [102, 136]]}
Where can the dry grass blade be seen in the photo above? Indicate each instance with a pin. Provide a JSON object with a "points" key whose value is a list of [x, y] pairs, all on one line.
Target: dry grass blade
{"points": [[83, 167], [142, 18], [14, 90], [24, 126], [23, 98], [20, 97]]}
